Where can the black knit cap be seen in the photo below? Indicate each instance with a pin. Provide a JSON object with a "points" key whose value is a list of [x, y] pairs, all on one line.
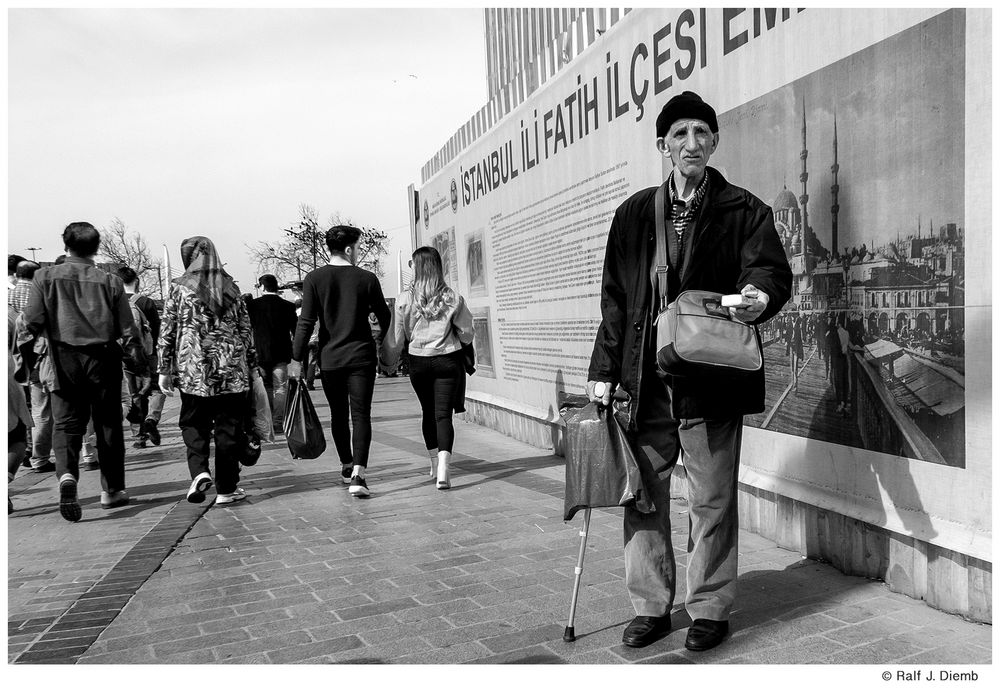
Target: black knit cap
{"points": [[687, 105]]}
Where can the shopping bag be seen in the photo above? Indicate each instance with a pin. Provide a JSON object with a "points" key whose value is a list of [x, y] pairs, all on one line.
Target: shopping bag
{"points": [[469, 358], [601, 468], [302, 427], [261, 411]]}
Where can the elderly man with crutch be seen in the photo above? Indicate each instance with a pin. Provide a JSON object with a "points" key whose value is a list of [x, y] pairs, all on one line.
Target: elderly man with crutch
{"points": [[696, 232]]}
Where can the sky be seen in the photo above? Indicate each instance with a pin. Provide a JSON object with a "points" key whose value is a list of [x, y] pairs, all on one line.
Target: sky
{"points": [[221, 122]]}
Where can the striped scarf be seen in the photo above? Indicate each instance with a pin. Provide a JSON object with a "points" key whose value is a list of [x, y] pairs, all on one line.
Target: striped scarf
{"points": [[682, 214]]}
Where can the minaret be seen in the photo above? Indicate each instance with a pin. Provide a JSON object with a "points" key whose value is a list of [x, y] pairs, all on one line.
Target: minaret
{"points": [[835, 187], [804, 198]]}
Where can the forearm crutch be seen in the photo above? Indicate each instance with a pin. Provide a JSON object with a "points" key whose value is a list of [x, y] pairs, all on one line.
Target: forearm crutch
{"points": [[569, 635]]}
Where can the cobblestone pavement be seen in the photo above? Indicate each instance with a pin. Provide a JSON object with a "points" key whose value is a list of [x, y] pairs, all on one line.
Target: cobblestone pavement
{"points": [[303, 573]]}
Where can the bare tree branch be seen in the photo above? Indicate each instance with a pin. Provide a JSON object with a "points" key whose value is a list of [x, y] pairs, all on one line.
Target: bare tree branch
{"points": [[122, 246], [303, 245], [371, 248]]}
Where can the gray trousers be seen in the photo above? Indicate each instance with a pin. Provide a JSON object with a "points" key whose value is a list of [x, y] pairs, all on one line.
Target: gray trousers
{"points": [[41, 434], [276, 385], [711, 460]]}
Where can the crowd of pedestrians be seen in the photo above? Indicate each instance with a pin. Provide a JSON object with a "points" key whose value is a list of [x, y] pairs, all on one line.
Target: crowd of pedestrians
{"points": [[88, 337], [89, 355]]}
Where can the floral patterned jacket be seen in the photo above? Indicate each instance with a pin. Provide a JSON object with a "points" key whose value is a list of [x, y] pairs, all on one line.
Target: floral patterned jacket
{"points": [[208, 356]]}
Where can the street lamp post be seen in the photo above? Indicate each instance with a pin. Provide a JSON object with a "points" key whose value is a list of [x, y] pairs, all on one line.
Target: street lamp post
{"points": [[33, 249]]}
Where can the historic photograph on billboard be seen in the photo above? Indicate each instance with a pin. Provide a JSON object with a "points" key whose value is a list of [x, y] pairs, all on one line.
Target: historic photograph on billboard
{"points": [[444, 242], [863, 165], [483, 342], [475, 261]]}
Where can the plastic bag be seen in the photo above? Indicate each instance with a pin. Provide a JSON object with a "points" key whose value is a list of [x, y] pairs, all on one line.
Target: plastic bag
{"points": [[302, 427], [261, 411], [601, 468], [469, 358]]}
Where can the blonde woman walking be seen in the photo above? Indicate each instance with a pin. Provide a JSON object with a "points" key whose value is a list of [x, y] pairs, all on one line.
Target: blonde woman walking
{"points": [[436, 321]]}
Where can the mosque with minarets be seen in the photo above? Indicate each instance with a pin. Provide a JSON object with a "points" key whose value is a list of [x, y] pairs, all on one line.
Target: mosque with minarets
{"points": [[791, 219], [905, 300], [915, 284]]}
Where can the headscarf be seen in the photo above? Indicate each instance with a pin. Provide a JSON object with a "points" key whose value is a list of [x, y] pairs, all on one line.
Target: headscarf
{"points": [[203, 274]]}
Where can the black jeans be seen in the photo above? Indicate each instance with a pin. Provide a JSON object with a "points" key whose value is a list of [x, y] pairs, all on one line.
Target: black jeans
{"points": [[17, 441], [349, 391], [222, 416], [90, 385], [435, 379]]}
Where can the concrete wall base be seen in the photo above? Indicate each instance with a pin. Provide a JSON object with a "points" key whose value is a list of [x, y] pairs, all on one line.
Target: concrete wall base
{"points": [[946, 580], [522, 427]]}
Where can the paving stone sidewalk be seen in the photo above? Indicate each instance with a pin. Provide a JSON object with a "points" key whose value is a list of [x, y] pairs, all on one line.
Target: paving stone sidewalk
{"points": [[303, 573]]}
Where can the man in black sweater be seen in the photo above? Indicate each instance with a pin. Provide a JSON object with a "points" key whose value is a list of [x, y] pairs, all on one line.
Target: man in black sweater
{"points": [[273, 320], [338, 297]]}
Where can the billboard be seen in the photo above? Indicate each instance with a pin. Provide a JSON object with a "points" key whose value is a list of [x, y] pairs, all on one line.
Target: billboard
{"points": [[853, 125], [870, 209]]}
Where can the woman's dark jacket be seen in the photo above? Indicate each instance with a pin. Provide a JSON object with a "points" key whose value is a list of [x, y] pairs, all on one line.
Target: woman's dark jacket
{"points": [[735, 244]]}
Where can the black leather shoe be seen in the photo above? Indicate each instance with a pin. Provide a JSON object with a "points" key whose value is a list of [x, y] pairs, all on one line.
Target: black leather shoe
{"points": [[643, 630], [705, 634], [152, 432]]}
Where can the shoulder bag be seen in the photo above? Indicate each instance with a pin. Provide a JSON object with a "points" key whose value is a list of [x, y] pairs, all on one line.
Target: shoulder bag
{"points": [[695, 334]]}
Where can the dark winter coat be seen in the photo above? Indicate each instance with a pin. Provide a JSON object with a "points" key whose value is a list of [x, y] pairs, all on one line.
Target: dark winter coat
{"points": [[273, 320], [735, 244]]}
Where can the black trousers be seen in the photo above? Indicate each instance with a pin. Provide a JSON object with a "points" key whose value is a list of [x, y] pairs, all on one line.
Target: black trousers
{"points": [[220, 417], [435, 379], [349, 392], [17, 440], [90, 384]]}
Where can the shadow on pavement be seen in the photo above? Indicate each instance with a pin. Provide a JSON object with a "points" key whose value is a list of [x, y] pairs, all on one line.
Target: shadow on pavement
{"points": [[798, 590], [502, 471]]}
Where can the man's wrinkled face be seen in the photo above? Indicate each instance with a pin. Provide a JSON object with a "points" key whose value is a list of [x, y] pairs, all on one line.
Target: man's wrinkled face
{"points": [[689, 143]]}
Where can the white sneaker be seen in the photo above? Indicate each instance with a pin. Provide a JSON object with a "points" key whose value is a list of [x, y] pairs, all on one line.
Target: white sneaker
{"points": [[238, 495], [113, 500], [358, 488], [200, 485]]}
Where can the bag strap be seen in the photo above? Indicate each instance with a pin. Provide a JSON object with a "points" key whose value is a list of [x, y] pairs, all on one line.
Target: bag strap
{"points": [[660, 265]]}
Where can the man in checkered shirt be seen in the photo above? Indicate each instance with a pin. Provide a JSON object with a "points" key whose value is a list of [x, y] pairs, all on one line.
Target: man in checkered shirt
{"points": [[17, 298]]}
